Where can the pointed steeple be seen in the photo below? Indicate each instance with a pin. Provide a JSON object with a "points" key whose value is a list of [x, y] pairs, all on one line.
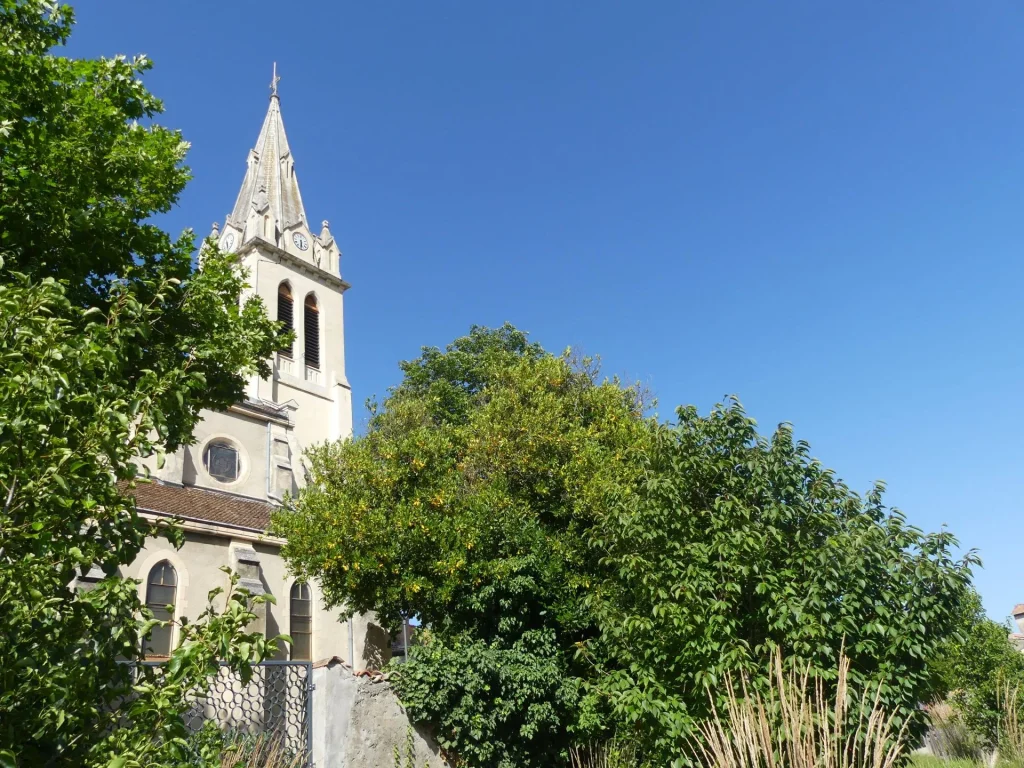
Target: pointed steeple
{"points": [[269, 202]]}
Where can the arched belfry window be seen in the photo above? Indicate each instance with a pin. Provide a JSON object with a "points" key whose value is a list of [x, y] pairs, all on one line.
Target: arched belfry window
{"points": [[311, 327], [301, 621], [285, 315], [161, 586]]}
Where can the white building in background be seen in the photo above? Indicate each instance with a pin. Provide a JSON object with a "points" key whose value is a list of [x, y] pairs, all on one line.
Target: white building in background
{"points": [[243, 460], [1017, 638]]}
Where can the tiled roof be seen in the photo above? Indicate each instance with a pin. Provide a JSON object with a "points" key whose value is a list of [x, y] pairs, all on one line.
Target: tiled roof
{"points": [[1018, 609], [200, 504]]}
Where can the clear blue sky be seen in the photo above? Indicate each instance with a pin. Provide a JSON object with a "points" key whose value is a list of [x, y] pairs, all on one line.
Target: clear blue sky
{"points": [[817, 206]]}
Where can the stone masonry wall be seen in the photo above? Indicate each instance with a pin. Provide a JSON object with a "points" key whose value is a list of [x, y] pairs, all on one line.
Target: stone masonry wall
{"points": [[357, 723]]}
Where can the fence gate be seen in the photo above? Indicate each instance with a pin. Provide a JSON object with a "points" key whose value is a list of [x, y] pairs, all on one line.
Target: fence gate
{"points": [[276, 703]]}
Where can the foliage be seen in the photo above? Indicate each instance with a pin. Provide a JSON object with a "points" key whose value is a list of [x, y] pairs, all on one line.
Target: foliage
{"points": [[211, 747], [931, 761], [1011, 723], [111, 344], [490, 704], [406, 758], [949, 737], [467, 504], [735, 545], [501, 491], [70, 427], [800, 719], [974, 667], [153, 731], [611, 753], [83, 169]]}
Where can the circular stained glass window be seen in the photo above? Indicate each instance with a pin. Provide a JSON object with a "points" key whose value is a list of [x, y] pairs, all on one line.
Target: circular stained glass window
{"points": [[222, 461]]}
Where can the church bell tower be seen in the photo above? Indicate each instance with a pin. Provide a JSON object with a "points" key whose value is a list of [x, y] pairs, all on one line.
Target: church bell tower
{"points": [[297, 273]]}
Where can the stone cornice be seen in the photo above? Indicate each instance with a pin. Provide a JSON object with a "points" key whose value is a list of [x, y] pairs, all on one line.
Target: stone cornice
{"points": [[253, 411], [236, 532], [258, 243]]}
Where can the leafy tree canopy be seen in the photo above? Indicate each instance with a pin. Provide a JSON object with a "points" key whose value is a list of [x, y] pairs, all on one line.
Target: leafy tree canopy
{"points": [[977, 669], [734, 545], [511, 501], [111, 344], [467, 504], [84, 169], [468, 500]]}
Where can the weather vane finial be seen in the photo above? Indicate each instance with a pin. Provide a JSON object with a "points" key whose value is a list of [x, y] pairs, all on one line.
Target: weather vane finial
{"points": [[274, 81]]}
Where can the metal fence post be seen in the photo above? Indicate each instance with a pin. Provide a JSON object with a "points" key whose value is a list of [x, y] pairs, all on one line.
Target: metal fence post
{"points": [[310, 685]]}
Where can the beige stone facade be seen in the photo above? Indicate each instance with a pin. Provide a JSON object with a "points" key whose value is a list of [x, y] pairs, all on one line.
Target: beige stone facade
{"points": [[243, 461]]}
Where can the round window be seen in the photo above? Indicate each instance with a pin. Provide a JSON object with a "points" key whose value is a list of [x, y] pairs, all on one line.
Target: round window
{"points": [[222, 461]]}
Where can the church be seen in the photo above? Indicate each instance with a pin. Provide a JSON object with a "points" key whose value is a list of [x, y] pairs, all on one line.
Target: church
{"points": [[223, 487]]}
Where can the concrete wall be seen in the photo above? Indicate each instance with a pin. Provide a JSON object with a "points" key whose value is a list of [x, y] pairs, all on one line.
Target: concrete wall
{"points": [[357, 723], [198, 565]]}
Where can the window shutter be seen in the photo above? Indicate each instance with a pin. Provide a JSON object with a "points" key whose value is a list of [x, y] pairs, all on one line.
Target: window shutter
{"points": [[284, 315], [311, 326]]}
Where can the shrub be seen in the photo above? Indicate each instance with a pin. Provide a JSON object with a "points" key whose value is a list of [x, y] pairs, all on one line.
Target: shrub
{"points": [[974, 668], [488, 704]]}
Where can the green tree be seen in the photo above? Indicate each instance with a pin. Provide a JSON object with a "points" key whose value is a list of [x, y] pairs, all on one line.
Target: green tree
{"points": [[467, 504], [735, 545], [110, 344], [975, 668]]}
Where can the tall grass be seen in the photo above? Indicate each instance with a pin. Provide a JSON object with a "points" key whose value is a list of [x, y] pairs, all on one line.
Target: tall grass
{"points": [[799, 722], [949, 737], [931, 761], [1011, 724], [614, 753], [264, 750]]}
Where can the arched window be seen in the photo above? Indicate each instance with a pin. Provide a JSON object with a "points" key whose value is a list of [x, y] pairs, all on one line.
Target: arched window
{"points": [[300, 622], [311, 326], [285, 315], [160, 588]]}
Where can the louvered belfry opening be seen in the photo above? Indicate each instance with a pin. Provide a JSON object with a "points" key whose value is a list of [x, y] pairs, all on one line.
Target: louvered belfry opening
{"points": [[311, 326], [285, 316]]}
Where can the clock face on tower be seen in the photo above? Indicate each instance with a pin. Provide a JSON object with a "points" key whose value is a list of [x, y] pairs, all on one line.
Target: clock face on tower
{"points": [[300, 241], [228, 242]]}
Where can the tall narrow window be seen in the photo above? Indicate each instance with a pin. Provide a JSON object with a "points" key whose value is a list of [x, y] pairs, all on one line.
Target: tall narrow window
{"points": [[160, 588], [301, 622], [311, 326], [284, 316]]}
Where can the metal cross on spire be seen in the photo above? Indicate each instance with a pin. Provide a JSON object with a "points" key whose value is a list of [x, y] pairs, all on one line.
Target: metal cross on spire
{"points": [[274, 81]]}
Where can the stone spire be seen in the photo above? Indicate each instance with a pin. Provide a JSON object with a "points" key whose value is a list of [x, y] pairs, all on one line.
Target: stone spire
{"points": [[269, 203]]}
